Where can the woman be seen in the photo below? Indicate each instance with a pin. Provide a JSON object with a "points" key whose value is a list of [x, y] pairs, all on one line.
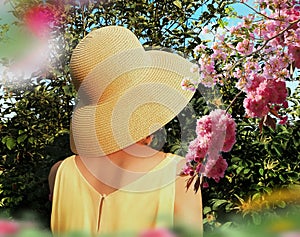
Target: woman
{"points": [[115, 183]]}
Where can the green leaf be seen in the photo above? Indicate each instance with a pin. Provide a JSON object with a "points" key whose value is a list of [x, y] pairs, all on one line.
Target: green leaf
{"points": [[3, 140], [226, 225], [218, 203], [282, 178], [222, 23], [256, 196], [261, 171], [10, 143], [21, 138], [206, 210], [31, 140], [246, 171], [178, 4], [239, 169]]}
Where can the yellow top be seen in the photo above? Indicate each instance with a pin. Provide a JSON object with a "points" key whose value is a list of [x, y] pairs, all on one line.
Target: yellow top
{"points": [[78, 207]]}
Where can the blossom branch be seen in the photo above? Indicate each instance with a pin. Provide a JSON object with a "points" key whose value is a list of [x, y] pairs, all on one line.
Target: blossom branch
{"points": [[275, 36], [261, 14], [264, 45], [233, 101]]}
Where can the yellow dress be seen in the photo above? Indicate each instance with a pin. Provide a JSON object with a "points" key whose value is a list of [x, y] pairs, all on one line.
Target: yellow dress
{"points": [[78, 207]]}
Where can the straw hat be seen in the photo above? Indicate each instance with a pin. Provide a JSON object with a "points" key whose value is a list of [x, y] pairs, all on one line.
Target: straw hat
{"points": [[125, 93]]}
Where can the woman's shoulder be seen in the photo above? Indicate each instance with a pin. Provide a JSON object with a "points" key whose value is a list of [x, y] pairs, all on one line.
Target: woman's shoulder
{"points": [[165, 158], [177, 160], [54, 169], [174, 156], [63, 162]]}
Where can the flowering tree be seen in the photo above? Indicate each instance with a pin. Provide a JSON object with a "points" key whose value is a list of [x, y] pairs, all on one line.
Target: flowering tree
{"points": [[259, 54]]}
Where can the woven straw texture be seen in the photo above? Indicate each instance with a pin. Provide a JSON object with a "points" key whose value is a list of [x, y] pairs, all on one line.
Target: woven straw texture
{"points": [[125, 93]]}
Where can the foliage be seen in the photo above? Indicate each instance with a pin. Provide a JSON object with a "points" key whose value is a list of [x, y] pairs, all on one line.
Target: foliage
{"points": [[261, 164]]}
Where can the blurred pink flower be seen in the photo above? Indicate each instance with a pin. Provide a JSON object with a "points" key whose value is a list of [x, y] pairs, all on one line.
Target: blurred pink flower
{"points": [[159, 232], [8, 227], [40, 19], [290, 234]]}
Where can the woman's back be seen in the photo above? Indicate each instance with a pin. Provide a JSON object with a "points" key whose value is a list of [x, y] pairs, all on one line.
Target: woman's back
{"points": [[147, 202]]}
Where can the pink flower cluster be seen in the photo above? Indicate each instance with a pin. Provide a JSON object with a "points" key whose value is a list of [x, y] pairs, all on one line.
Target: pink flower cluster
{"points": [[262, 93], [257, 52], [215, 134], [245, 47], [218, 170]]}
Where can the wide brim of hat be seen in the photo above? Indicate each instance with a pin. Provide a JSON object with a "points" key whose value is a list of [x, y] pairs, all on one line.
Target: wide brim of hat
{"points": [[136, 110]]}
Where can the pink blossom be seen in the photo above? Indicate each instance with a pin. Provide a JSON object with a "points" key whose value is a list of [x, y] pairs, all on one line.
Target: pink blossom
{"points": [[206, 30], [197, 150], [245, 47], [207, 65], [262, 51], [256, 107], [188, 84], [275, 65], [219, 55], [218, 170], [220, 37], [254, 82], [203, 126], [188, 170], [261, 93], [263, 90], [207, 79], [159, 232], [205, 184], [238, 73], [290, 234], [278, 91], [283, 120], [223, 137], [251, 67], [215, 133], [230, 134], [295, 51]]}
